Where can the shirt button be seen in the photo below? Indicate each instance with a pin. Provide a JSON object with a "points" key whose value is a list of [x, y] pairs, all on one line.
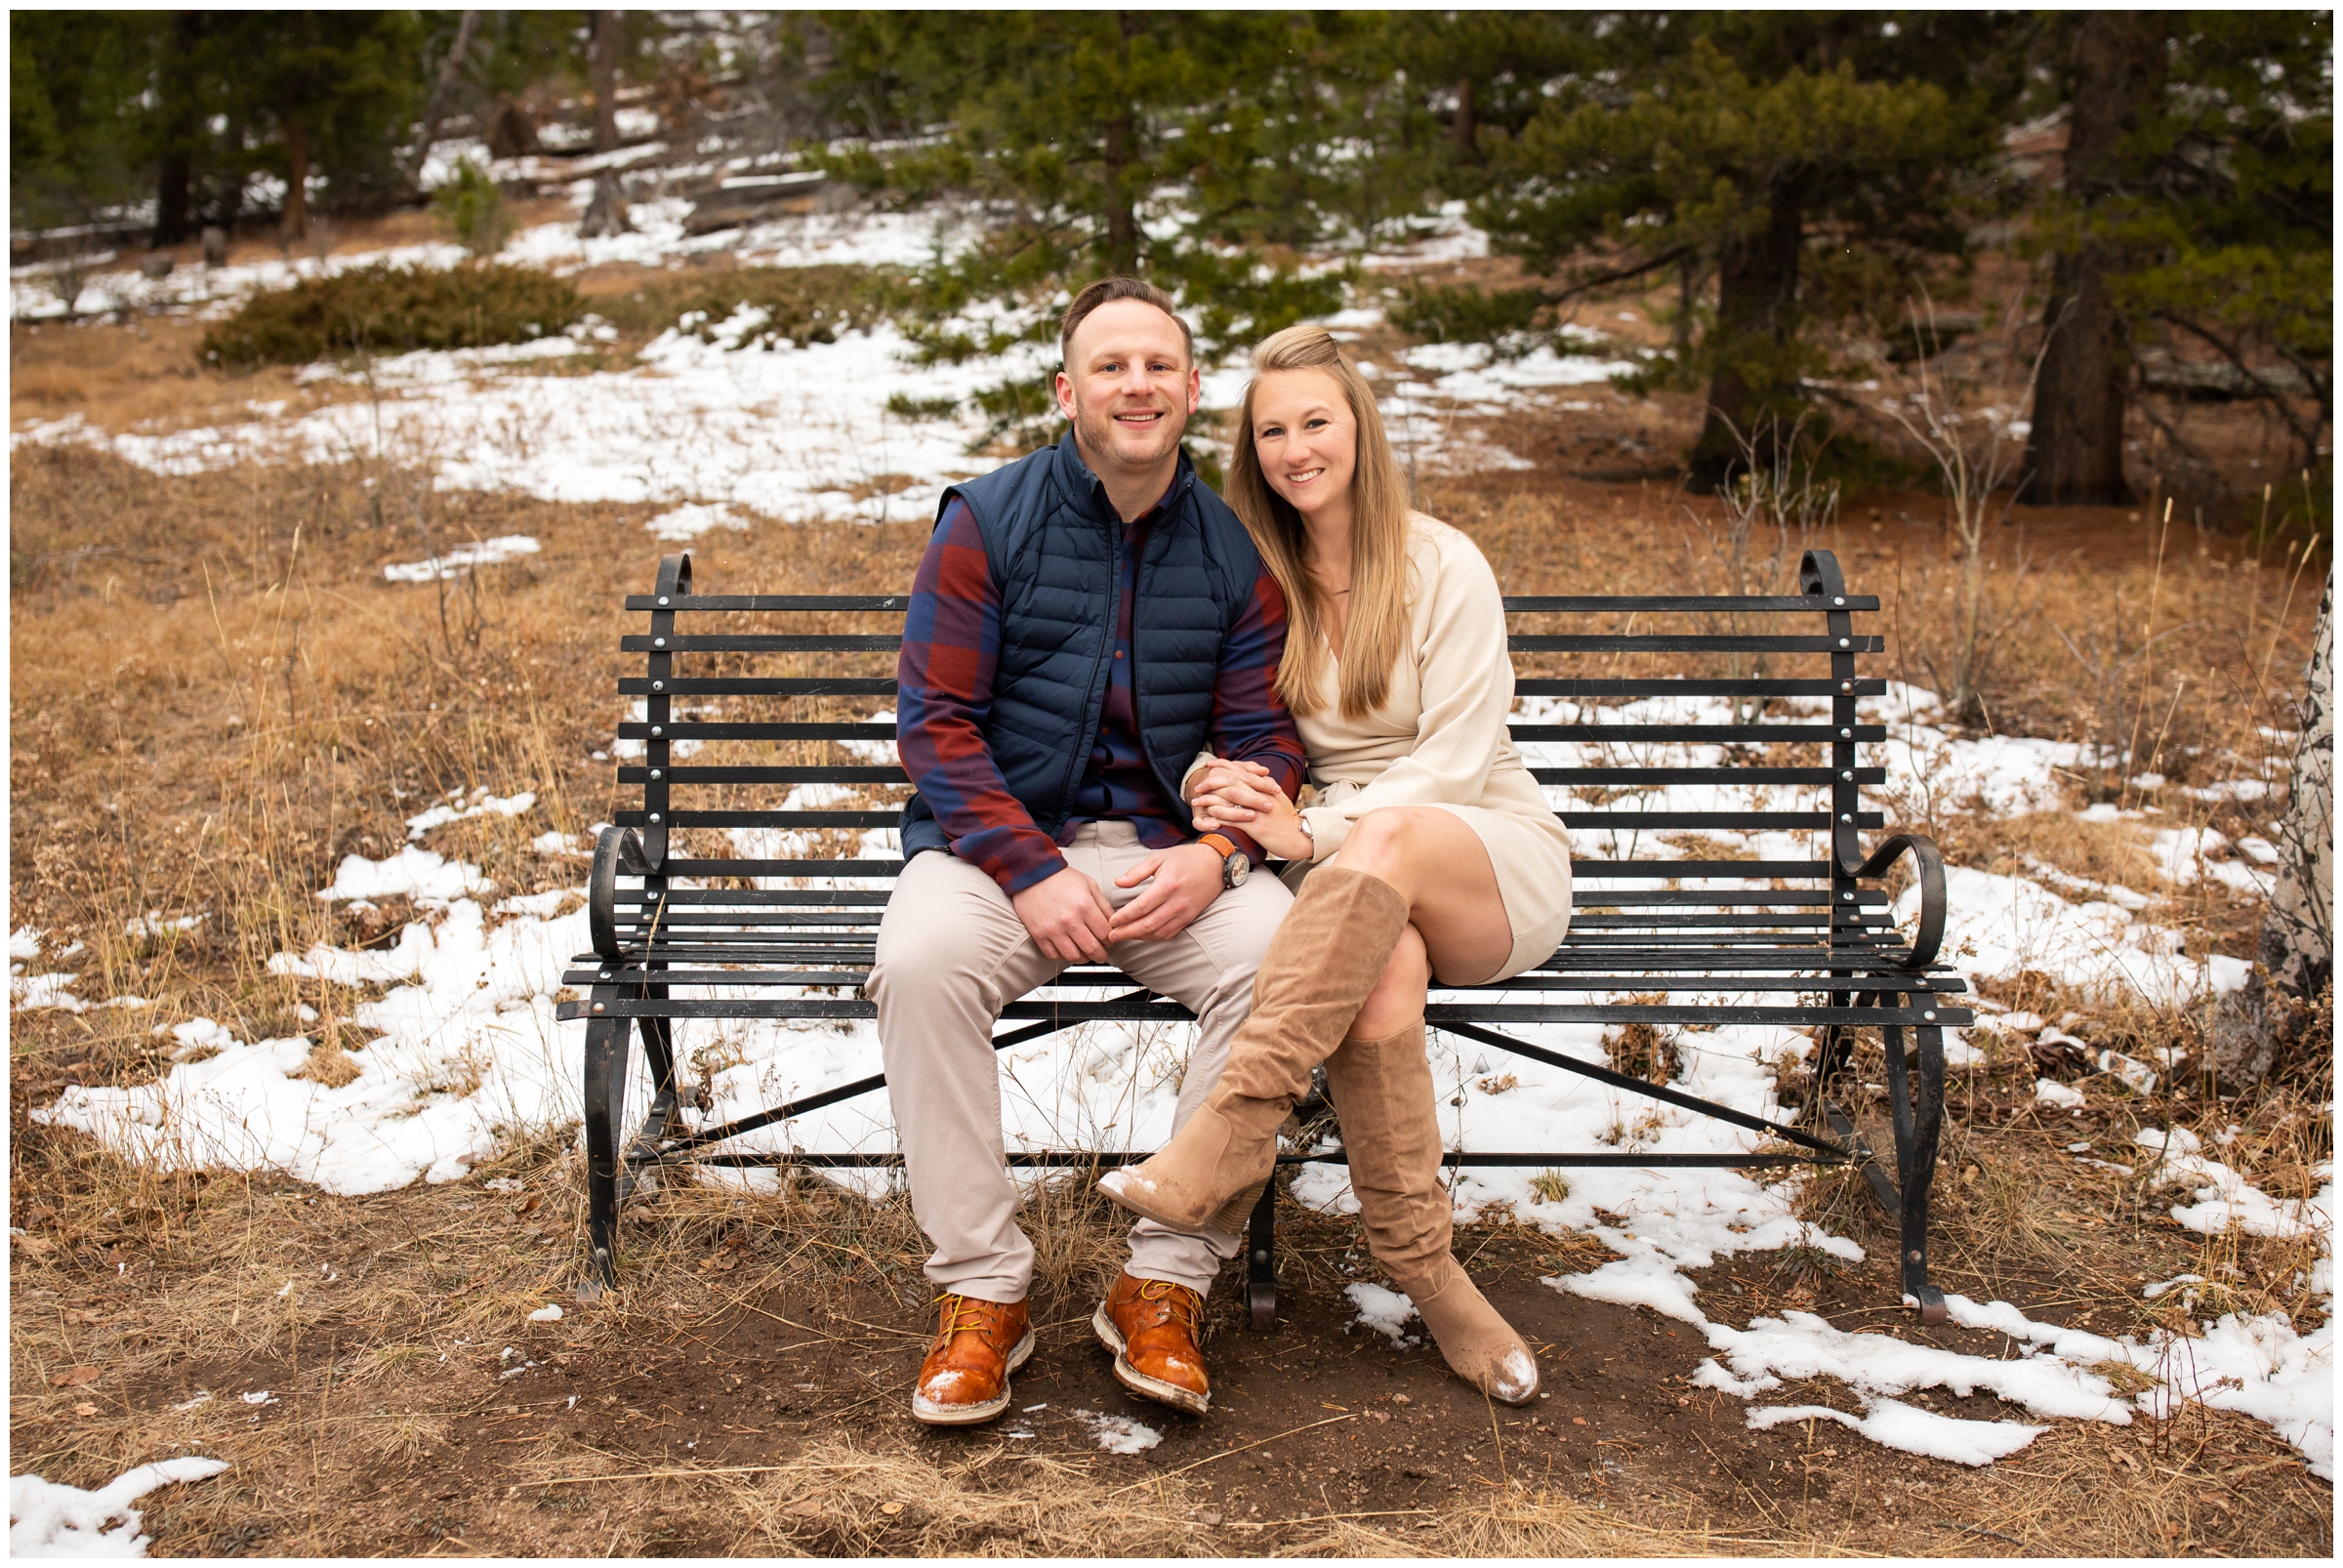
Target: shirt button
{"points": [[1118, 653]]}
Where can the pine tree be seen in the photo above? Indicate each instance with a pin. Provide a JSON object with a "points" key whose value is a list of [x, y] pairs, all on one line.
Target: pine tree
{"points": [[2198, 200], [1749, 147], [1192, 148]]}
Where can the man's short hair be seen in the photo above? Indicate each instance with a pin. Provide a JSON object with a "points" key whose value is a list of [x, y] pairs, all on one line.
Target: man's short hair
{"points": [[1106, 290]]}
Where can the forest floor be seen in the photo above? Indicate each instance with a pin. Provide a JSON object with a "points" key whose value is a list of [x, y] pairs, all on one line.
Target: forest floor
{"points": [[215, 695]]}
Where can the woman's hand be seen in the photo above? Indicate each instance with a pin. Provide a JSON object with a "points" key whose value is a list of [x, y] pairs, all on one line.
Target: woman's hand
{"points": [[1244, 795]]}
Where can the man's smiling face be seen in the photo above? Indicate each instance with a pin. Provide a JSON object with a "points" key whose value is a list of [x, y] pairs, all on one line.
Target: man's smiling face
{"points": [[1128, 386]]}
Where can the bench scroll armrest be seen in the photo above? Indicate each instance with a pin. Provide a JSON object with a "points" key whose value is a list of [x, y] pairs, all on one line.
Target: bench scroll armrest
{"points": [[618, 851], [1929, 863]]}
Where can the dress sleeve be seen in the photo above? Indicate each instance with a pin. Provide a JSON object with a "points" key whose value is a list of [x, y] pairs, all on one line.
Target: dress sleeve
{"points": [[1466, 676]]}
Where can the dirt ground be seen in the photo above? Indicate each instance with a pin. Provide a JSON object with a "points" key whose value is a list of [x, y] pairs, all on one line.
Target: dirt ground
{"points": [[214, 695], [369, 1368]]}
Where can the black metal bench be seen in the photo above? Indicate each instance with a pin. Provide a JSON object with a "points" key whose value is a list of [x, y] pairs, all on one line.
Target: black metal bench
{"points": [[1816, 940]]}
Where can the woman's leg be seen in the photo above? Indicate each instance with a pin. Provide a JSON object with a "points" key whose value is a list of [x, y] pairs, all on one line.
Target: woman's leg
{"points": [[1383, 1094], [1380, 1081], [1434, 860], [1406, 878]]}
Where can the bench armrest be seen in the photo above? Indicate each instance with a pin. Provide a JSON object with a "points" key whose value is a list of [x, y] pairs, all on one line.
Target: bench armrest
{"points": [[1929, 862], [619, 851]]}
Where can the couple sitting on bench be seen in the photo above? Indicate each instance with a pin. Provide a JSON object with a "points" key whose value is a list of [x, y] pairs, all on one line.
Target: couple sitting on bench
{"points": [[1099, 704]]}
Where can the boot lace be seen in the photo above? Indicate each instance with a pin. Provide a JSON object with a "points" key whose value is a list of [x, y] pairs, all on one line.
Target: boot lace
{"points": [[964, 1315], [1180, 1303]]}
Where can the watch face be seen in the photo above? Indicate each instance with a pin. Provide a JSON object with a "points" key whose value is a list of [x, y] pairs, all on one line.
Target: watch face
{"points": [[1235, 869]]}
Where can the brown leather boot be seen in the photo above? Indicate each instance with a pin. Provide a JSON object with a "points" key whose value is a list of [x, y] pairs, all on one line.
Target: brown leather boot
{"points": [[1150, 1325], [1326, 957], [1383, 1098], [966, 1376]]}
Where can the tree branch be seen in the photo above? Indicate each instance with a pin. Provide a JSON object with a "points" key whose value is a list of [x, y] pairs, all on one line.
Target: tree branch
{"points": [[2277, 399], [1585, 285]]}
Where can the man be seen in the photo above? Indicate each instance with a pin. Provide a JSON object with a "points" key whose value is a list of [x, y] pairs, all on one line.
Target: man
{"points": [[1086, 621]]}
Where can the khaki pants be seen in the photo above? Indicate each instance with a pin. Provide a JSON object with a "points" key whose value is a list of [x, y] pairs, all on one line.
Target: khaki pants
{"points": [[951, 954]]}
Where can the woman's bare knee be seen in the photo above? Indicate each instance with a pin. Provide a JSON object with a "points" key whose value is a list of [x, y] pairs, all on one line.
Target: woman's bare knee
{"points": [[1378, 844], [1397, 1000]]}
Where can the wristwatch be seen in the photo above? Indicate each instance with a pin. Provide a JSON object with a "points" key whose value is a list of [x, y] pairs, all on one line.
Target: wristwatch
{"points": [[1235, 864]]}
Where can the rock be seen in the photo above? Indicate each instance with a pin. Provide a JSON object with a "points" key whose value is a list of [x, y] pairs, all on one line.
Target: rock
{"points": [[156, 266]]}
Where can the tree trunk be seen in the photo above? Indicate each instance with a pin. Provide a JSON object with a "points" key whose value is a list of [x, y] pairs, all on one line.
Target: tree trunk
{"points": [[295, 224], [2284, 1012], [605, 81], [606, 212], [1756, 317], [175, 175], [1465, 129], [2074, 450], [174, 172], [1121, 216], [443, 87]]}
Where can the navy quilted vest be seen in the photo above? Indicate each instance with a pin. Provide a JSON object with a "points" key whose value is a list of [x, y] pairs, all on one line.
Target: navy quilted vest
{"points": [[1053, 544]]}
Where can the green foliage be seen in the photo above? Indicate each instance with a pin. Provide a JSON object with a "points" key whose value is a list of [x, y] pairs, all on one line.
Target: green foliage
{"points": [[1510, 319], [2222, 209], [388, 310], [474, 210], [1196, 150], [74, 122], [350, 82], [801, 304], [1728, 146]]}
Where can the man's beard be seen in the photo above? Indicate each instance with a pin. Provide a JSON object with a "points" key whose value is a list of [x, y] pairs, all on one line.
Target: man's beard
{"points": [[1101, 439]]}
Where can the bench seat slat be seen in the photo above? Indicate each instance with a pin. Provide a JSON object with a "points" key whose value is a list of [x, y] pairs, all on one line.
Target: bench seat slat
{"points": [[1587, 985], [1578, 821], [777, 1008], [1589, 902]]}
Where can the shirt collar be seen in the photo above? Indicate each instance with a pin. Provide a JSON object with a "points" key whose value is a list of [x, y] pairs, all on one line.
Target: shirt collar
{"points": [[1183, 475]]}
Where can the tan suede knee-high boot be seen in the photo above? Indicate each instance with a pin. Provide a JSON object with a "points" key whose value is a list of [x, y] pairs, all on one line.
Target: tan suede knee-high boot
{"points": [[1326, 957], [1384, 1096]]}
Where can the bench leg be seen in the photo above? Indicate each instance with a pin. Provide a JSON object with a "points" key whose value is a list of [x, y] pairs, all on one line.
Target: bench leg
{"points": [[1919, 1124], [1260, 1258], [605, 1104]]}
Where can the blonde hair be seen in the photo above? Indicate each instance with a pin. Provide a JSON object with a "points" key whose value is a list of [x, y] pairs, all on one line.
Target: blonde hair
{"points": [[1378, 626]]}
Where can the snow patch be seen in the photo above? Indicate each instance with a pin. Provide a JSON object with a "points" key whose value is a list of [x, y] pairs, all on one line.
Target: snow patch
{"points": [[1119, 1434], [50, 1519], [1384, 1310], [1894, 1424]]}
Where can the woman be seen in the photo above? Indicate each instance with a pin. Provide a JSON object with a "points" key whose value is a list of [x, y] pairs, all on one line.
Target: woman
{"points": [[1428, 850]]}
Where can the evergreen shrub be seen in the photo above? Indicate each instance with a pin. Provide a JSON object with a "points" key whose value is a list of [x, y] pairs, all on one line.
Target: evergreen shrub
{"points": [[801, 305], [391, 310]]}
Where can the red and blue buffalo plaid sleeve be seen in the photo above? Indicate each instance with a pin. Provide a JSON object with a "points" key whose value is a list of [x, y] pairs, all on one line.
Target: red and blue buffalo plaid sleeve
{"points": [[943, 690]]}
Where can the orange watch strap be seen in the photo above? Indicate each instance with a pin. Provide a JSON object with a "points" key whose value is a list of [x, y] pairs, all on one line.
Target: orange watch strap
{"points": [[1222, 845]]}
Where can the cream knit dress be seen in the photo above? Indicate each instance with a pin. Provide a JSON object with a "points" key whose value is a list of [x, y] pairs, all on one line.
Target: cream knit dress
{"points": [[1439, 740]]}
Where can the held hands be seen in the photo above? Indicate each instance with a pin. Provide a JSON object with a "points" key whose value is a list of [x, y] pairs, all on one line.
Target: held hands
{"points": [[1244, 795]]}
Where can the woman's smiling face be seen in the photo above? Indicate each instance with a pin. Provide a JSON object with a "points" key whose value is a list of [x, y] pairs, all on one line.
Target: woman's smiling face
{"points": [[1305, 437]]}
